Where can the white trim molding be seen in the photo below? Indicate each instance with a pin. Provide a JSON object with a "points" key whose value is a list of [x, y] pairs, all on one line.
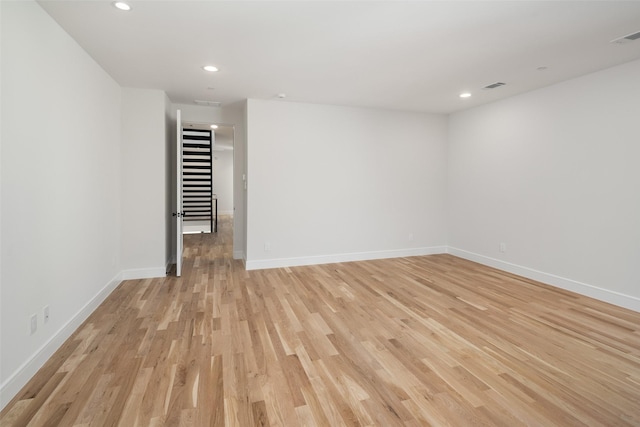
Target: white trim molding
{"points": [[348, 257], [612, 297], [12, 386]]}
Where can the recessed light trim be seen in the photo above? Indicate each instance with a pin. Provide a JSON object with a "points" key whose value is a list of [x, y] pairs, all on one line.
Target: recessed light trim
{"points": [[465, 95], [210, 68], [121, 5]]}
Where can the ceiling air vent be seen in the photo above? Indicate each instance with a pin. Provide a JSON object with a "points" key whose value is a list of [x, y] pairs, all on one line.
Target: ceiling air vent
{"points": [[208, 103], [494, 85], [626, 39]]}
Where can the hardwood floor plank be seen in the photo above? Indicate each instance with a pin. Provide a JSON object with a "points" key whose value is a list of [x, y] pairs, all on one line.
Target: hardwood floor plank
{"points": [[259, 411], [37, 402], [130, 415], [432, 340]]}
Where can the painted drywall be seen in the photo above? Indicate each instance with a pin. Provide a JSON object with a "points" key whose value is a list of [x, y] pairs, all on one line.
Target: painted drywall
{"points": [[144, 218], [169, 136], [235, 114], [198, 113], [223, 180], [554, 175], [329, 183], [61, 175], [244, 182]]}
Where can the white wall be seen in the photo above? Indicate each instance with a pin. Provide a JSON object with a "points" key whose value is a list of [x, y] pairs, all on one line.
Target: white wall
{"points": [[235, 114], [198, 113], [144, 197], [554, 174], [331, 183], [60, 177], [170, 135], [244, 177], [223, 180]]}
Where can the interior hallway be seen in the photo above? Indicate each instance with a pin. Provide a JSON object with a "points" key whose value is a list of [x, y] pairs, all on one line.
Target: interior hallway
{"points": [[199, 247], [433, 340]]}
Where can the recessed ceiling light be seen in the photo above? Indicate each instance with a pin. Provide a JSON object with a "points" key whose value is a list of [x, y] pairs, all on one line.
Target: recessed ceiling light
{"points": [[210, 68], [122, 5], [214, 126], [465, 95]]}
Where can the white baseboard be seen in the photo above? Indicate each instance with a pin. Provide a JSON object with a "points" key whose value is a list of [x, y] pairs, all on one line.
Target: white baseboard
{"points": [[225, 212], [144, 273], [238, 255], [612, 297], [348, 257], [12, 386]]}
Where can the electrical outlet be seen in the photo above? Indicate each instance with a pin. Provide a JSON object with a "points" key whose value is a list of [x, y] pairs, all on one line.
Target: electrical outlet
{"points": [[267, 246], [34, 324], [411, 237], [503, 247], [45, 314]]}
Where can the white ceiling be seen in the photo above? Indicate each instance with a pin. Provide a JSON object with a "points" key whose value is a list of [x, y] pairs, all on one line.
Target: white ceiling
{"points": [[415, 56]]}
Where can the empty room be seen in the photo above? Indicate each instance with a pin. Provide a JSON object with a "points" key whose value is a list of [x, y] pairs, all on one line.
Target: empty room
{"points": [[421, 213]]}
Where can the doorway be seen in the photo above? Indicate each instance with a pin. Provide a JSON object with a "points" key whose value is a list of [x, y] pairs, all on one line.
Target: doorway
{"points": [[216, 194], [207, 176]]}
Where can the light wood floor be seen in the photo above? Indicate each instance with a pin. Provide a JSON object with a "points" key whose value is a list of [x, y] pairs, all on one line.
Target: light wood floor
{"points": [[432, 340]]}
